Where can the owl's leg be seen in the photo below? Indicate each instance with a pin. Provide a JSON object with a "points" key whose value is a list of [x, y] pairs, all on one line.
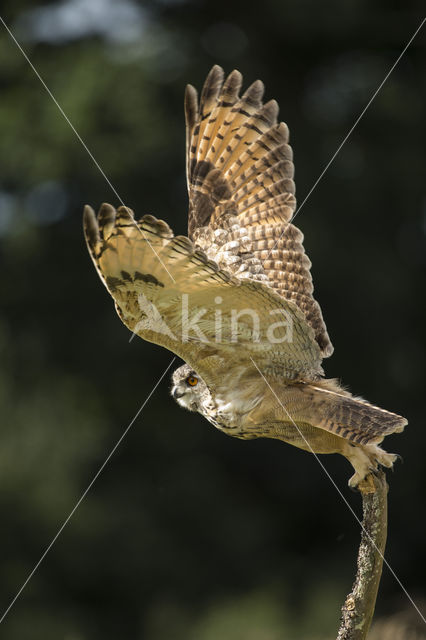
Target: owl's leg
{"points": [[365, 458]]}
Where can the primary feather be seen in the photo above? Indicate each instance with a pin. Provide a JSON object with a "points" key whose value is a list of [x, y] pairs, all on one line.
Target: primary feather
{"points": [[241, 191]]}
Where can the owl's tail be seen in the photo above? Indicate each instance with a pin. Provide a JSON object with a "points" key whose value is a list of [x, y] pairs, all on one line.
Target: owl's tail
{"points": [[351, 417], [360, 425]]}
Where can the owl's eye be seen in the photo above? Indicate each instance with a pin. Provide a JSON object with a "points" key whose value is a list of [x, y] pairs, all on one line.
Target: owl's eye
{"points": [[192, 381]]}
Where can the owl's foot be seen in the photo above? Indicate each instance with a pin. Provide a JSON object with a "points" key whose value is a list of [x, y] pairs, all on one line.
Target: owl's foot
{"points": [[365, 460]]}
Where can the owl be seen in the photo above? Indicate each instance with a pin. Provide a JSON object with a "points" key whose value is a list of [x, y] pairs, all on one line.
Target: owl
{"points": [[234, 299]]}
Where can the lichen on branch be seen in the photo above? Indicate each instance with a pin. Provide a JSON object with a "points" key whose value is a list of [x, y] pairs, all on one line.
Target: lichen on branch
{"points": [[358, 608]]}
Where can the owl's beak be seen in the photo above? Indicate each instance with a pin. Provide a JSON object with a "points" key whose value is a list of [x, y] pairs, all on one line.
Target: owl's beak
{"points": [[177, 393]]}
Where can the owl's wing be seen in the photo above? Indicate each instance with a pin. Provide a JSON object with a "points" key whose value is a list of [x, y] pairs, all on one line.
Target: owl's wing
{"points": [[168, 292], [241, 191]]}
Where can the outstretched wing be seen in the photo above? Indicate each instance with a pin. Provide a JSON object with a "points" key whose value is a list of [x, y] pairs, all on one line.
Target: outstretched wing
{"points": [[241, 191], [168, 292]]}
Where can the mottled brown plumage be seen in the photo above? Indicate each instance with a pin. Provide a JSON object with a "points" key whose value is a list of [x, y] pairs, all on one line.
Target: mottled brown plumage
{"points": [[240, 179], [258, 339]]}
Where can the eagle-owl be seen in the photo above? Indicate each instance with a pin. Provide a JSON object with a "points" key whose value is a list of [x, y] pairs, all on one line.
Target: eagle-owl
{"points": [[234, 299]]}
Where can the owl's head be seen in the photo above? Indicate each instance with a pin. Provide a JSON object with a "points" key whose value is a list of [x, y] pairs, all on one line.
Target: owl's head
{"points": [[189, 390]]}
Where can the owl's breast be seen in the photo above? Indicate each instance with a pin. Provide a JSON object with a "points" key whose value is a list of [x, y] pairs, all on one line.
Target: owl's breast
{"points": [[231, 426], [230, 409]]}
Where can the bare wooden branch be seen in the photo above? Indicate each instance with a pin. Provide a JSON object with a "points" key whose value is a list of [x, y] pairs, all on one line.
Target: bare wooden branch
{"points": [[358, 608]]}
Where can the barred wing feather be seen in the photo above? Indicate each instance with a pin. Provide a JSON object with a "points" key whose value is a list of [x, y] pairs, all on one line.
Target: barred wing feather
{"points": [[241, 191]]}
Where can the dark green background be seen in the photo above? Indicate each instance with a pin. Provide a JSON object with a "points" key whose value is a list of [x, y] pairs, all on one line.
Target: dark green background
{"points": [[189, 534]]}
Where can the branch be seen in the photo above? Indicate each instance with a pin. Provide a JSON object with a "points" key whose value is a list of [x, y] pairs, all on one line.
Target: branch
{"points": [[358, 608]]}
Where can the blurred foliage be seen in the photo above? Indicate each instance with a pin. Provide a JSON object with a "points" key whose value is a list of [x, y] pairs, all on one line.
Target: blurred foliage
{"points": [[188, 534]]}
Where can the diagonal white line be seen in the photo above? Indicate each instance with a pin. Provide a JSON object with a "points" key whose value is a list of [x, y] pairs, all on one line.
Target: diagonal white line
{"points": [[359, 118], [355, 124], [86, 491], [341, 495], [98, 166], [61, 111]]}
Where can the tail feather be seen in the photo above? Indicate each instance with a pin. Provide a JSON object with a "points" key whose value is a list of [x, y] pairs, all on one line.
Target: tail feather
{"points": [[350, 417]]}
